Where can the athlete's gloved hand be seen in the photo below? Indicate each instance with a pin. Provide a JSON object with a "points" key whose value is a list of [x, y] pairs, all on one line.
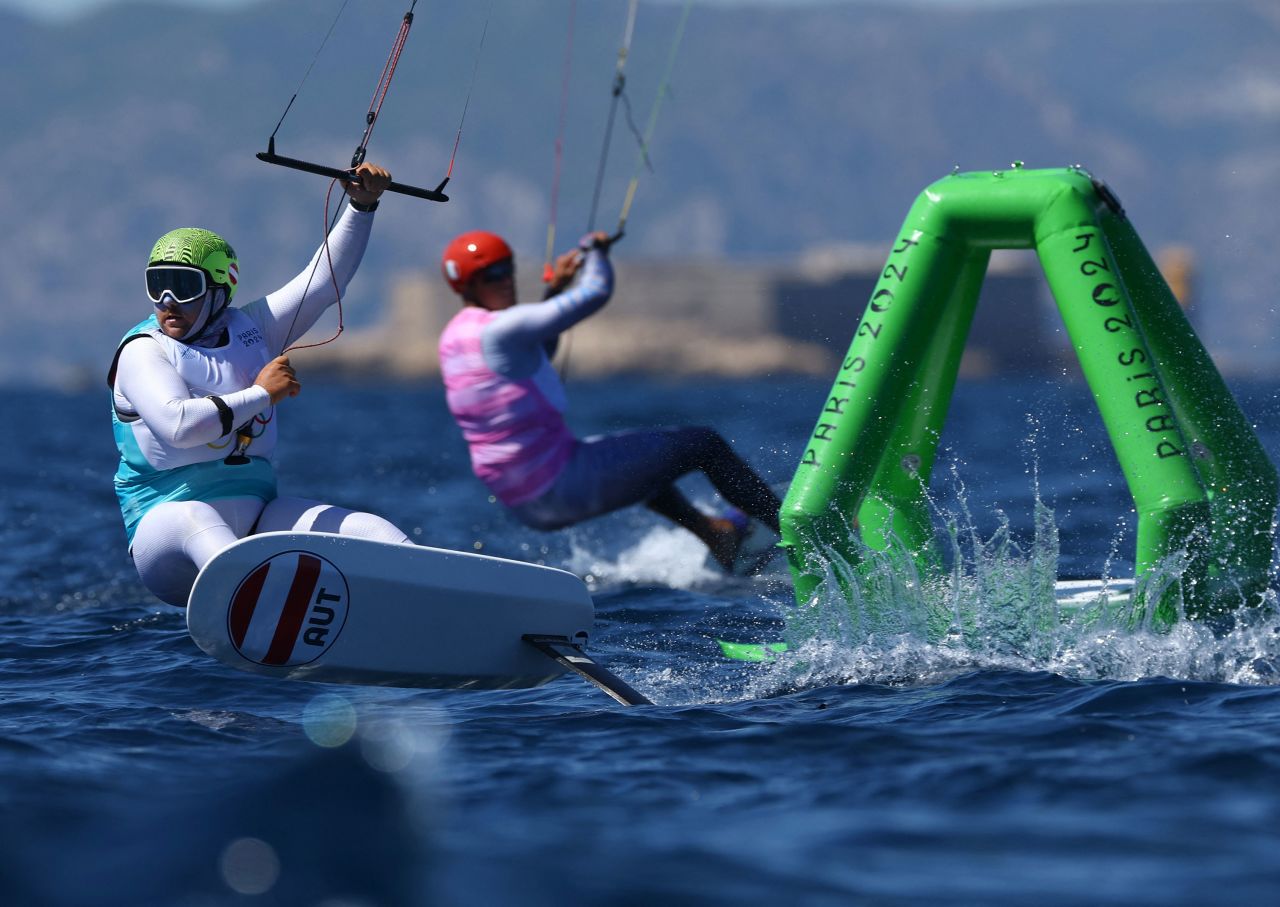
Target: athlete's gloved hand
{"points": [[278, 380], [374, 180]]}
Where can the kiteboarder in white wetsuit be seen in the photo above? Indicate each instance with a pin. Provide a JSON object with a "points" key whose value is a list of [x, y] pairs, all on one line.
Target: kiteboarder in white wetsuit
{"points": [[194, 390], [509, 403]]}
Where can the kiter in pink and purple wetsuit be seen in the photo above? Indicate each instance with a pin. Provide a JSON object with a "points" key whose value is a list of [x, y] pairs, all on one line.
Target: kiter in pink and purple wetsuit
{"points": [[495, 358]]}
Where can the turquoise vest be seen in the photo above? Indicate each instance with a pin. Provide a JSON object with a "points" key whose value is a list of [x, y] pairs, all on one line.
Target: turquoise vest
{"points": [[141, 485]]}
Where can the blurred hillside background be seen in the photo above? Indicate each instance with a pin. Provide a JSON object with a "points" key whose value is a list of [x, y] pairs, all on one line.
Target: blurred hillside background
{"points": [[794, 139]]}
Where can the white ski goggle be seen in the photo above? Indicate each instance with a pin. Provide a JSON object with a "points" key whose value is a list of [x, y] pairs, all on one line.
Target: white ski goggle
{"points": [[178, 283]]}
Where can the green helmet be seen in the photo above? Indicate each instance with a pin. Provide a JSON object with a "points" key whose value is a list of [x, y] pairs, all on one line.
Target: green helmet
{"points": [[202, 248]]}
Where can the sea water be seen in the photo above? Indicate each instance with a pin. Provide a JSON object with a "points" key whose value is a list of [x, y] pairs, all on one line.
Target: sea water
{"points": [[874, 764]]}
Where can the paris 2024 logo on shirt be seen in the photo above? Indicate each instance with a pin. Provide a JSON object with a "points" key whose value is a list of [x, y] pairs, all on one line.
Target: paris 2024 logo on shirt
{"points": [[288, 610]]}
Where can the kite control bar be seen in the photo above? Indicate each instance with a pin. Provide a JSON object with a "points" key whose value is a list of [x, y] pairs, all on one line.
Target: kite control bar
{"points": [[348, 176]]}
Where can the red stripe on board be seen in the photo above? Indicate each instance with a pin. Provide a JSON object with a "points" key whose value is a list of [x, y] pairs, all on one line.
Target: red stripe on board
{"points": [[243, 605], [295, 609]]}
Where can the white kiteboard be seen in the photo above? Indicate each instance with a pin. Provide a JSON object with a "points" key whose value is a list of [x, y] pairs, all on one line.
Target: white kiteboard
{"points": [[320, 607]]}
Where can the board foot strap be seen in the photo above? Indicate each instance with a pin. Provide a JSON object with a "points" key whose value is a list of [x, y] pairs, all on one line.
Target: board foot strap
{"points": [[570, 654]]}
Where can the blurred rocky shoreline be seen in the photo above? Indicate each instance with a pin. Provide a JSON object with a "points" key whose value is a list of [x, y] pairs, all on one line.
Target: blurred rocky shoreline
{"points": [[692, 318]]}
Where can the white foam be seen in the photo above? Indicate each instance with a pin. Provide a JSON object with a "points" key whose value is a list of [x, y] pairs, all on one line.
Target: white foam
{"points": [[666, 556]]}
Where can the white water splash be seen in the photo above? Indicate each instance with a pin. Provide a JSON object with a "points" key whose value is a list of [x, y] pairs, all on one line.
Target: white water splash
{"points": [[215, 720], [1248, 654], [666, 556], [995, 608]]}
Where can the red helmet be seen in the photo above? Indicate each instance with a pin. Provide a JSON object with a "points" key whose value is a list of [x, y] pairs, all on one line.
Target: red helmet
{"points": [[469, 253]]}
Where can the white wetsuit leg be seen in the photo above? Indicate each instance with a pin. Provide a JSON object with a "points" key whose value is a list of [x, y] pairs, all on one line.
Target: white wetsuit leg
{"points": [[303, 515], [175, 539]]}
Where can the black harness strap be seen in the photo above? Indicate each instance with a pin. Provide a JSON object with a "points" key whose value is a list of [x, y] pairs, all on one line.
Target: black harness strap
{"points": [[115, 360], [224, 413]]}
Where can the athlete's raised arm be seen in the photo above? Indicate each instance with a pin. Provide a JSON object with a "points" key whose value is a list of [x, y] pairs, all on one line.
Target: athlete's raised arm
{"points": [[513, 339], [289, 312]]}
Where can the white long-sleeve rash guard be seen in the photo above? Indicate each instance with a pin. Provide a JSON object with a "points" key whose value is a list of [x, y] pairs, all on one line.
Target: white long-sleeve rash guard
{"points": [[147, 383]]}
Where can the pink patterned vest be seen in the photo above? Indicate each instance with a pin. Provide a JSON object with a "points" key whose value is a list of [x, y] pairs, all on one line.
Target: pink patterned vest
{"points": [[519, 441]]}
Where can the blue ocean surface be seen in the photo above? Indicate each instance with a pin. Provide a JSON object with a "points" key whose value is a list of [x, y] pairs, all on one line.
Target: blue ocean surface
{"points": [[1112, 769]]}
